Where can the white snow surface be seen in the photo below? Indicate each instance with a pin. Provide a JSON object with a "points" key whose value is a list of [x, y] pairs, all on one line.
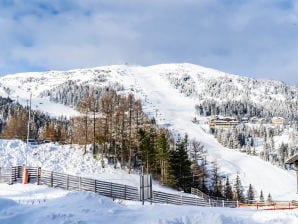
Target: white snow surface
{"points": [[173, 109], [67, 159], [30, 204]]}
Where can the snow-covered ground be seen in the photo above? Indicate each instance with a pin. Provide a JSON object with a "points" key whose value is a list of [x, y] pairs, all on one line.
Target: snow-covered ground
{"points": [[30, 204], [68, 159]]}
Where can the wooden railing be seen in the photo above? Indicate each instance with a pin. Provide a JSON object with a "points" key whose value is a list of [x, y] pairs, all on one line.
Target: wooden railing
{"points": [[213, 201], [70, 182], [166, 198]]}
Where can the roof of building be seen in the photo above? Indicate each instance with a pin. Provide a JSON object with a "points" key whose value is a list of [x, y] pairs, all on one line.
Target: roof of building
{"points": [[292, 159]]}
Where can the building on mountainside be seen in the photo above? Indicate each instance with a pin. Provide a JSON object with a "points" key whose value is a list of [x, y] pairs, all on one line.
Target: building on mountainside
{"points": [[244, 120], [255, 120], [277, 121], [222, 122]]}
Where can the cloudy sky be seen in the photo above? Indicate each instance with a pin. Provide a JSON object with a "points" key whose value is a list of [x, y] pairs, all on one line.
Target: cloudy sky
{"points": [[257, 38]]}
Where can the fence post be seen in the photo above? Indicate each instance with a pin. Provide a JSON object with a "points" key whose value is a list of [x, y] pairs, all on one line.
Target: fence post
{"points": [[238, 204], [111, 191], [94, 186], [11, 176], [125, 189], [209, 202], [289, 205], [79, 183], [223, 203], [52, 181], [25, 176], [67, 182], [38, 175]]}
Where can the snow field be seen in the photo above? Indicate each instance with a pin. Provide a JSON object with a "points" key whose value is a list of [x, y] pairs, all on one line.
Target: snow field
{"points": [[85, 207]]}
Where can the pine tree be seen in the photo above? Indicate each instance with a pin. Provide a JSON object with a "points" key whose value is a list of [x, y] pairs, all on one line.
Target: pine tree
{"points": [[262, 197], [180, 165], [148, 150], [238, 190], [269, 198], [283, 153], [228, 193], [216, 184], [250, 194]]}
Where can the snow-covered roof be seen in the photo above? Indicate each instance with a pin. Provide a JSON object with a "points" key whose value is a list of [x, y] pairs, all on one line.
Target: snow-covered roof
{"points": [[293, 159]]}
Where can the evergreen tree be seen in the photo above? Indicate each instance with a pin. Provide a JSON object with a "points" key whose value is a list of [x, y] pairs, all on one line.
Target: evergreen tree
{"points": [[147, 149], [216, 184], [250, 194], [238, 190], [262, 197], [269, 198], [180, 165], [228, 193], [283, 153]]}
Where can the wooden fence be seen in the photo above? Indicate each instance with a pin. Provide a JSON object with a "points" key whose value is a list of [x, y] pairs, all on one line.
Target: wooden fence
{"points": [[166, 198], [108, 189], [70, 182], [6, 175], [214, 202]]}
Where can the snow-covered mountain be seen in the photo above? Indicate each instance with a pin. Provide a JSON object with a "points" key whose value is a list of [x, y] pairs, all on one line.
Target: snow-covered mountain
{"points": [[170, 92]]}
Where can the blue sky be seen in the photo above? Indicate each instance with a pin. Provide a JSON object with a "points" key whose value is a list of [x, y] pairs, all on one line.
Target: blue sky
{"points": [[256, 38]]}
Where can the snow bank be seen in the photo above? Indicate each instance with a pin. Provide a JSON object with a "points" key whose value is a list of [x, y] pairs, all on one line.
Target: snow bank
{"points": [[87, 207], [68, 159]]}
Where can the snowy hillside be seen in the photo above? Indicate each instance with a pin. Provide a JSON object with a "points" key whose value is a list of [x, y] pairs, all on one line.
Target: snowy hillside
{"points": [[173, 103]]}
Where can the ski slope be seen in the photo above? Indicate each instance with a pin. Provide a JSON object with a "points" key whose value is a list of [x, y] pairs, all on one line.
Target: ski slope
{"points": [[178, 110], [173, 109]]}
